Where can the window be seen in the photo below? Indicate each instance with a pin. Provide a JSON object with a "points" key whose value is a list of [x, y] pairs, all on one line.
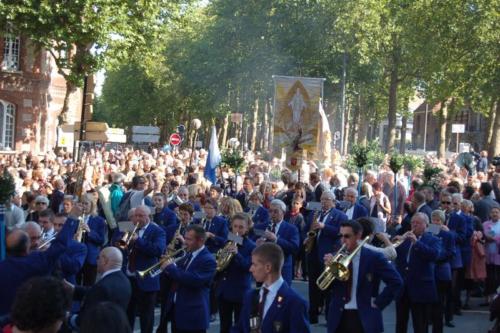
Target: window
{"points": [[10, 53], [7, 117]]}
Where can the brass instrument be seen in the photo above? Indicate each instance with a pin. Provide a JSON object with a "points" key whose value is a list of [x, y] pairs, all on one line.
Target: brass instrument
{"points": [[224, 256], [171, 246], [156, 268], [80, 232], [401, 240], [338, 268], [311, 234], [124, 242], [48, 241]]}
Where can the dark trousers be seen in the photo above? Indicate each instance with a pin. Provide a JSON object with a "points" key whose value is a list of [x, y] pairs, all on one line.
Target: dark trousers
{"points": [[174, 324], [142, 303], [438, 308], [418, 315], [316, 299], [227, 311], [457, 286], [87, 275], [165, 285], [350, 322]]}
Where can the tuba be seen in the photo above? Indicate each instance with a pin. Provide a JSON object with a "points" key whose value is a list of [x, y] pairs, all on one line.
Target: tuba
{"points": [[338, 268], [155, 269], [224, 256], [311, 234]]}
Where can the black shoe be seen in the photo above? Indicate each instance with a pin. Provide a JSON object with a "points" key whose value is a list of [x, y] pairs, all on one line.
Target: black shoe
{"points": [[449, 324]]}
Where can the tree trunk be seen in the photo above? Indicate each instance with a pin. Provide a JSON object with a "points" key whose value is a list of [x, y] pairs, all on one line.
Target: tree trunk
{"points": [[491, 122], [266, 126], [442, 119], [255, 117], [494, 144], [402, 144], [450, 114], [346, 128], [391, 115], [271, 131]]}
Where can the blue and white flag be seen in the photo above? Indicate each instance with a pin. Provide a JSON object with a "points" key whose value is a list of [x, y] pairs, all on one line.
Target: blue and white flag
{"points": [[213, 159]]}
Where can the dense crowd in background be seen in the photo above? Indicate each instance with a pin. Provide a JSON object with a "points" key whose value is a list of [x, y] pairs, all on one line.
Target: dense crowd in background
{"points": [[105, 185]]}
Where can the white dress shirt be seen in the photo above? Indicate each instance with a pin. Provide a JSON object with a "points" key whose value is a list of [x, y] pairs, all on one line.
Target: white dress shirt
{"points": [[271, 295], [353, 304], [350, 212]]}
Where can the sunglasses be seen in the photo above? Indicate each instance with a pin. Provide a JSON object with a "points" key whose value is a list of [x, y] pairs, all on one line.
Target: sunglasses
{"points": [[346, 236], [446, 202], [41, 203]]}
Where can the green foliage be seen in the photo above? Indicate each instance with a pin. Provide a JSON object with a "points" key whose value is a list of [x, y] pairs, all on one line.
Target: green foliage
{"points": [[396, 162], [362, 156], [412, 162], [233, 159], [431, 176], [7, 187]]}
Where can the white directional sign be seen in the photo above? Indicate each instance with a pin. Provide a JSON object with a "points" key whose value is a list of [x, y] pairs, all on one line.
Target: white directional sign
{"points": [[458, 128]]}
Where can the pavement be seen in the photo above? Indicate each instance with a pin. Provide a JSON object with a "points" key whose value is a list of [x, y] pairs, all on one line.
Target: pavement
{"points": [[475, 320]]}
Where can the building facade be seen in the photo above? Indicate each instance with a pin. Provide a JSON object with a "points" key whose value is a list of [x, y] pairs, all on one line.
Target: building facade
{"points": [[31, 97]]}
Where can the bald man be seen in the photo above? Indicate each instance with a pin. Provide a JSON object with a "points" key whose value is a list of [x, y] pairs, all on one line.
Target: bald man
{"points": [[112, 284], [34, 232], [22, 264]]}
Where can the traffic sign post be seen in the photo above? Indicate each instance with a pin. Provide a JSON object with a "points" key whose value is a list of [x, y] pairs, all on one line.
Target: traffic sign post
{"points": [[175, 139]]}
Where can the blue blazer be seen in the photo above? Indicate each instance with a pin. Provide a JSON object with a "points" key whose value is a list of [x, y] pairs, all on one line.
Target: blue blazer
{"points": [[359, 211], [236, 279], [443, 263], [373, 267], [466, 247], [14, 271], [71, 262], [167, 217], [288, 239], [148, 249], [261, 215], [328, 240], [219, 228], [418, 273], [458, 227], [95, 238], [192, 306], [288, 310]]}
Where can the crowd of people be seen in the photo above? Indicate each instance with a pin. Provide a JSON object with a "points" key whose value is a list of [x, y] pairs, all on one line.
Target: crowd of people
{"points": [[93, 245]]}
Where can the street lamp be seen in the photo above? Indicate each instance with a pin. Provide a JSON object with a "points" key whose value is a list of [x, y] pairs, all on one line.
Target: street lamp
{"points": [[196, 125]]}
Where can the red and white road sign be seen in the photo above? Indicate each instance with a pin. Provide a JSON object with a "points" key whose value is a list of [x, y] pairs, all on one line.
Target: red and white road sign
{"points": [[175, 139]]}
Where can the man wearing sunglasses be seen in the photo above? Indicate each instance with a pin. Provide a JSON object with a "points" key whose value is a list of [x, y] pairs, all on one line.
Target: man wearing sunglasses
{"points": [[458, 227], [352, 308]]}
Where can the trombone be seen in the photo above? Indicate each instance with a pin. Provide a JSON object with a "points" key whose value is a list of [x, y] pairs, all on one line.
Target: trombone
{"points": [[155, 269], [338, 268], [124, 242]]}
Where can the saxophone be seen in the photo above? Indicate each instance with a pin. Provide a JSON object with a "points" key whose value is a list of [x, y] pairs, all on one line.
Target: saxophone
{"points": [[171, 246], [311, 234]]}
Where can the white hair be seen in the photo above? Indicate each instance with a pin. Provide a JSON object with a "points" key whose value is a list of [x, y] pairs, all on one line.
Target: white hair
{"points": [[280, 204]]}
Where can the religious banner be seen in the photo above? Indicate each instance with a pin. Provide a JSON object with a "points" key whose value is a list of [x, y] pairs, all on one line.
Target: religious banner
{"points": [[297, 117]]}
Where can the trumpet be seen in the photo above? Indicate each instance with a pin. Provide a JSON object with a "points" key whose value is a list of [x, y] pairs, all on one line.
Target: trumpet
{"points": [[155, 270], [311, 234], [338, 268], [400, 241], [124, 242], [80, 232], [47, 241]]}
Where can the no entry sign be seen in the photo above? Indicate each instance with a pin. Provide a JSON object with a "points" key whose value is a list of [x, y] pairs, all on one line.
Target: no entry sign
{"points": [[175, 139]]}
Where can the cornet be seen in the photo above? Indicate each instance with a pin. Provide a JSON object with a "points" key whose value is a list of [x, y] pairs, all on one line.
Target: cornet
{"points": [[156, 268], [400, 241], [338, 268], [47, 241]]}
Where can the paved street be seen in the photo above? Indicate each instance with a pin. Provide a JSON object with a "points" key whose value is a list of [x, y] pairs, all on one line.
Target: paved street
{"points": [[473, 321]]}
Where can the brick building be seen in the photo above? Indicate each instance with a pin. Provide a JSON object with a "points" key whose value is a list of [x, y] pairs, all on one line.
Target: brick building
{"points": [[31, 97], [475, 128]]}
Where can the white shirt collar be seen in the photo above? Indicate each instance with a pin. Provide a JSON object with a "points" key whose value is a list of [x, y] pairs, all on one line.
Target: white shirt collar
{"points": [[195, 253], [421, 205], [275, 286]]}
